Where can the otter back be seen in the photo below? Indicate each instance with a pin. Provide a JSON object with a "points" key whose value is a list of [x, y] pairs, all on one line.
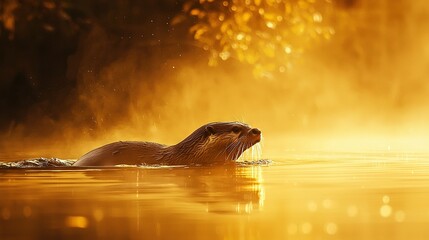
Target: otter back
{"points": [[124, 152]]}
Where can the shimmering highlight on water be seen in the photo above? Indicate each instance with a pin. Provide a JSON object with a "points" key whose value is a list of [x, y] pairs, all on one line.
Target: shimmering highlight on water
{"points": [[298, 196]]}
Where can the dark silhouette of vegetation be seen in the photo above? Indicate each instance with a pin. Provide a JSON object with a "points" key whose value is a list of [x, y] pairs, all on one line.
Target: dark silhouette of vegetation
{"points": [[42, 46], [38, 37]]}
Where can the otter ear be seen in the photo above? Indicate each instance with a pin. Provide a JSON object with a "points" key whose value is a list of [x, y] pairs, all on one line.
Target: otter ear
{"points": [[210, 130]]}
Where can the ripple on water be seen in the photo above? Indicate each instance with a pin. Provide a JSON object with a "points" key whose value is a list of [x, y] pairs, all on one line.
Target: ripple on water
{"points": [[301, 195]]}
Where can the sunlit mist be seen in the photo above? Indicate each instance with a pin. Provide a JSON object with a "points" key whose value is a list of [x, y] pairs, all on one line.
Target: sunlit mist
{"points": [[312, 75], [333, 95]]}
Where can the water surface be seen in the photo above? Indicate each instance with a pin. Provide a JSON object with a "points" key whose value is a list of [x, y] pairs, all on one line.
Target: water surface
{"points": [[298, 196]]}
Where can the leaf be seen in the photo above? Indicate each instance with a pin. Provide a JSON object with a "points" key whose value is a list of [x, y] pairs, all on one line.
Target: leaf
{"points": [[195, 12], [199, 32], [246, 16], [178, 19]]}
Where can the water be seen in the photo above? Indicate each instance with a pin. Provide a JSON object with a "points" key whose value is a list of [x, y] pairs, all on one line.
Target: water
{"points": [[298, 196]]}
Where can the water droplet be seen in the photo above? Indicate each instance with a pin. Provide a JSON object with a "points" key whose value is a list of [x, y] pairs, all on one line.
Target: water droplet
{"points": [[386, 199], [331, 228], [385, 211]]}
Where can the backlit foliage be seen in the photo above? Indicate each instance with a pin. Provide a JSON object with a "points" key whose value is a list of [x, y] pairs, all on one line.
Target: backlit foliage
{"points": [[7, 18], [47, 15], [267, 34]]}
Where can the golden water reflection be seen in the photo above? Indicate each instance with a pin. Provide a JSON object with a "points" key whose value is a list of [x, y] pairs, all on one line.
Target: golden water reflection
{"points": [[300, 196]]}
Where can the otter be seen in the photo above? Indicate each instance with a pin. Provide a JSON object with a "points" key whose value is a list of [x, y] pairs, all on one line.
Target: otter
{"points": [[217, 142]]}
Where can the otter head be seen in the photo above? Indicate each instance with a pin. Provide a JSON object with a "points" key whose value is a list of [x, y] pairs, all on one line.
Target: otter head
{"points": [[226, 141]]}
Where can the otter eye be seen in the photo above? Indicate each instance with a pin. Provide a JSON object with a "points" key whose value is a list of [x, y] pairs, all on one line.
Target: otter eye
{"points": [[236, 129]]}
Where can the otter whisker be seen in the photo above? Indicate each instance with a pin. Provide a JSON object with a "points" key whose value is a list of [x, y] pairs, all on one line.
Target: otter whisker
{"points": [[258, 151], [237, 151], [228, 149], [233, 149], [253, 152], [241, 150], [248, 145]]}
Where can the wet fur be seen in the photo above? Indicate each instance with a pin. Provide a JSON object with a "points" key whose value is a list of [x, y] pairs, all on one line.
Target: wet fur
{"points": [[211, 143]]}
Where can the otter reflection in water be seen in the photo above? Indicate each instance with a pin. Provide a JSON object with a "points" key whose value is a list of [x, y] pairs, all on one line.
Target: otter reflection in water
{"points": [[221, 189], [128, 203], [218, 142]]}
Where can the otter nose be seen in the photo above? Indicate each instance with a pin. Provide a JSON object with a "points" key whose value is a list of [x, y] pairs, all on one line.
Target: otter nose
{"points": [[255, 131]]}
